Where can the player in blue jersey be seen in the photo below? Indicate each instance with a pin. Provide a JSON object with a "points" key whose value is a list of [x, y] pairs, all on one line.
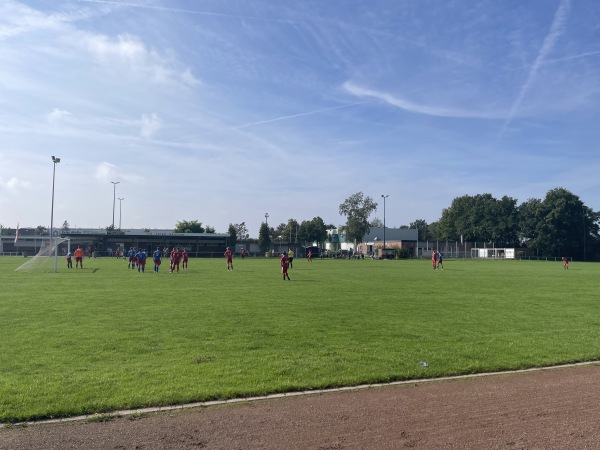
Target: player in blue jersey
{"points": [[156, 257]]}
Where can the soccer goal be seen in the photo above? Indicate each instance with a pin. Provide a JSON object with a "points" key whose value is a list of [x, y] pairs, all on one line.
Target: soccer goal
{"points": [[44, 261]]}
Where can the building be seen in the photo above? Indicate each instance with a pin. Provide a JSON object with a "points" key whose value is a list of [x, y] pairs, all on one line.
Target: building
{"points": [[106, 242]]}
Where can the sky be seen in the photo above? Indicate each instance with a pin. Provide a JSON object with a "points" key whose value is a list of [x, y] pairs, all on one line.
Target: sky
{"points": [[222, 111]]}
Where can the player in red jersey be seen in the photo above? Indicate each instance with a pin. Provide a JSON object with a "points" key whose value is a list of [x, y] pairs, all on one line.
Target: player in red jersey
{"points": [[175, 257], [229, 256], [565, 263], [434, 260], [309, 256], [285, 263], [184, 259]]}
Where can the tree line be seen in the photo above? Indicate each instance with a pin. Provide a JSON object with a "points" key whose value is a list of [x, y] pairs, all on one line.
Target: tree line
{"points": [[558, 225]]}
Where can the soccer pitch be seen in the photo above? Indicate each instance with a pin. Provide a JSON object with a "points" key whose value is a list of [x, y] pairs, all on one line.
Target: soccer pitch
{"points": [[107, 338]]}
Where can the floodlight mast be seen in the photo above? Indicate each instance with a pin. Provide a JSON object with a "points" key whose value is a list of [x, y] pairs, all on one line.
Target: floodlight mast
{"points": [[55, 160], [384, 197], [114, 183], [120, 211]]}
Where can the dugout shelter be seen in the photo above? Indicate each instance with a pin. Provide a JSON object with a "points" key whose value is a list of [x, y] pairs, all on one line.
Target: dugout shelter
{"points": [[105, 242]]}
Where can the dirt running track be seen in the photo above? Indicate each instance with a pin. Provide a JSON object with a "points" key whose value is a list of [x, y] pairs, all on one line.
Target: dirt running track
{"points": [[551, 409]]}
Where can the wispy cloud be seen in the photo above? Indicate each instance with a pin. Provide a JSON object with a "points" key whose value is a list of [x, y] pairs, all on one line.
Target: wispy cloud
{"points": [[13, 184], [359, 91], [128, 52], [292, 116], [556, 30], [150, 125], [572, 57], [107, 172], [185, 11], [57, 115]]}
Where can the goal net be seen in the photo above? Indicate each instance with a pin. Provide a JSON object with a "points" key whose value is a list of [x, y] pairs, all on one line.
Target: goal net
{"points": [[44, 260]]}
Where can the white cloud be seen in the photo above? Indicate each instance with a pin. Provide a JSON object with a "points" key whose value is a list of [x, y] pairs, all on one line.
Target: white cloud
{"points": [[150, 125], [416, 108], [14, 184], [106, 172], [556, 30], [57, 115], [128, 52]]}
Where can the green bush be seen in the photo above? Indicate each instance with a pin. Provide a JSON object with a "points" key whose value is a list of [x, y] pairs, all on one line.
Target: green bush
{"points": [[402, 253]]}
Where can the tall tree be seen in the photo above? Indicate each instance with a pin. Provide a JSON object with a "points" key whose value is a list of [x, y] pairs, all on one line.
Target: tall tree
{"points": [[376, 223], [291, 230], [191, 226], [264, 239], [233, 236], [423, 229], [40, 230], [239, 229], [209, 229], [357, 208], [564, 225], [481, 218]]}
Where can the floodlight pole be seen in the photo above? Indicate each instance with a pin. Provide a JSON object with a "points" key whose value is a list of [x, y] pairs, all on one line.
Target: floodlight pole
{"points": [[120, 211], [114, 183], [384, 197], [55, 161], [267, 223]]}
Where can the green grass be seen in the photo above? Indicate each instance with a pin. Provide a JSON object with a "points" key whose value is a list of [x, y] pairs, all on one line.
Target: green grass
{"points": [[107, 338]]}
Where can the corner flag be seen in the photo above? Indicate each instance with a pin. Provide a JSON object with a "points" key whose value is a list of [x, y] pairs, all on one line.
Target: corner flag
{"points": [[17, 235]]}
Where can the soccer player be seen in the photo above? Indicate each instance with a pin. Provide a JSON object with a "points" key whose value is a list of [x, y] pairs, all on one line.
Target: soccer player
{"points": [[291, 258], [434, 260], [78, 257], [175, 258], [69, 261], [243, 253], [131, 255], [229, 256], [309, 256], [285, 262], [141, 260], [184, 258], [565, 263], [440, 260], [156, 257]]}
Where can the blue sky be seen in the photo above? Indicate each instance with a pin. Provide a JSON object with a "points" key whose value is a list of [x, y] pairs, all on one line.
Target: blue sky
{"points": [[222, 111]]}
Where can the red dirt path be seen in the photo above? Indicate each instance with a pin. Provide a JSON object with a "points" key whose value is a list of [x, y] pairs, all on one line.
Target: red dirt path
{"points": [[552, 409]]}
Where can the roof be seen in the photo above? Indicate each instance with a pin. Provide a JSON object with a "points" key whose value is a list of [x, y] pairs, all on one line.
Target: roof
{"points": [[392, 234]]}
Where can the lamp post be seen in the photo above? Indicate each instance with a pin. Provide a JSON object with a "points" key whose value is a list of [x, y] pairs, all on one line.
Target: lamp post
{"points": [[120, 211], [267, 223], [584, 231], [114, 183], [55, 160], [384, 197]]}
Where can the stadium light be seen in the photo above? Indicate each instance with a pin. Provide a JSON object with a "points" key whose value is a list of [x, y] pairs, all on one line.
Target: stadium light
{"points": [[55, 160], [114, 183], [384, 197], [120, 211], [267, 218]]}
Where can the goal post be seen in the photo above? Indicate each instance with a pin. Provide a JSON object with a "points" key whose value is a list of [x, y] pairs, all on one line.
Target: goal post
{"points": [[46, 260]]}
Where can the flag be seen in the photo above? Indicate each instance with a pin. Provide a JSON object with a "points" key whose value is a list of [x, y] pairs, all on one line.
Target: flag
{"points": [[17, 235]]}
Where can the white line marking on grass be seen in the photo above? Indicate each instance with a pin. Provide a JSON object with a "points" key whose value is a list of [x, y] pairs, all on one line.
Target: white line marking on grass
{"points": [[157, 409]]}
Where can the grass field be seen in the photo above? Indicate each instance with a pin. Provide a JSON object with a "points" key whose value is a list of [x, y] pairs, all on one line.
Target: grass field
{"points": [[106, 338]]}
